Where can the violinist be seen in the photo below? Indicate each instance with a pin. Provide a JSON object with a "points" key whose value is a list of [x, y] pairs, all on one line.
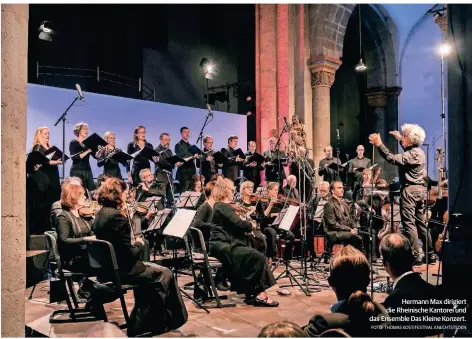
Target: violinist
{"points": [[202, 219], [245, 267], [111, 167], [73, 230], [268, 212], [257, 238], [80, 156]]}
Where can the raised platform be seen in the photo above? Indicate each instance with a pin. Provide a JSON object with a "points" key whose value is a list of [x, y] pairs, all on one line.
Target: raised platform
{"points": [[239, 321]]}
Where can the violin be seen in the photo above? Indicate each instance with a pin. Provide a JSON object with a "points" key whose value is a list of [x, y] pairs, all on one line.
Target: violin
{"points": [[89, 209]]}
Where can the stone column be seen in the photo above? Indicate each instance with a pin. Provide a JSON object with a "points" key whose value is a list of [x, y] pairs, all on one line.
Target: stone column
{"points": [[378, 101], [323, 69], [14, 81]]}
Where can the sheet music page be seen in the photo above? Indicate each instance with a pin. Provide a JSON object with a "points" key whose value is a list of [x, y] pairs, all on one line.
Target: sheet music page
{"points": [[180, 223], [49, 156], [159, 219], [319, 211], [279, 218], [288, 218]]}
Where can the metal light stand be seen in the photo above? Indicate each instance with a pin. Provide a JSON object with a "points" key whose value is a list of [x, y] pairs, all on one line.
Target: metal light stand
{"points": [[200, 138], [64, 120]]}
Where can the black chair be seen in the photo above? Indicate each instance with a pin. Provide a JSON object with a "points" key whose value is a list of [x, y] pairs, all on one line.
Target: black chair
{"points": [[200, 261], [66, 278], [102, 259]]}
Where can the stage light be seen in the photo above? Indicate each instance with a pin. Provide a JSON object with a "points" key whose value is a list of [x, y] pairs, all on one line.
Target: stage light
{"points": [[444, 49], [209, 70], [360, 67], [46, 31]]}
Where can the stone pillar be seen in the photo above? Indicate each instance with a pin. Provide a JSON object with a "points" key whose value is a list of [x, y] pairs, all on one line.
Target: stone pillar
{"points": [[378, 101], [14, 81], [283, 73], [266, 74], [323, 69]]}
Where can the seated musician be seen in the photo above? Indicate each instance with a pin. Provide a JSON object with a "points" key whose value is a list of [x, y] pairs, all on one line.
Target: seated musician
{"points": [[290, 190], [148, 188], [363, 189], [202, 219], [338, 221], [158, 306], [257, 238], [140, 220], [268, 212], [245, 267], [198, 185]]}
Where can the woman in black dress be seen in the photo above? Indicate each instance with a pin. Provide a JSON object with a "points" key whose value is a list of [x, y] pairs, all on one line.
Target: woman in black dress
{"points": [[245, 267], [80, 156], [42, 187], [139, 162], [111, 168], [158, 306]]}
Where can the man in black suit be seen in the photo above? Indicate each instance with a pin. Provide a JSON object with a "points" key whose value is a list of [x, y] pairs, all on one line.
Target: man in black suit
{"points": [[231, 168], [164, 168], [187, 170], [408, 285], [252, 171], [208, 166]]}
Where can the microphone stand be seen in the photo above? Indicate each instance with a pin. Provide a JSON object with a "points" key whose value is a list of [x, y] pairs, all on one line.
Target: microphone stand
{"points": [[64, 120], [200, 140], [338, 151]]}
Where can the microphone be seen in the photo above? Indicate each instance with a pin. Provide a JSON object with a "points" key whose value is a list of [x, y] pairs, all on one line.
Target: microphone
{"points": [[337, 133], [210, 112], [79, 90]]}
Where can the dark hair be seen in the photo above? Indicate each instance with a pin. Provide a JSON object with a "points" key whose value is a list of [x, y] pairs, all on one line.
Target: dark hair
{"points": [[349, 272], [232, 137], [162, 135], [182, 128], [109, 193], [282, 329], [397, 253], [209, 188], [331, 186], [135, 138]]}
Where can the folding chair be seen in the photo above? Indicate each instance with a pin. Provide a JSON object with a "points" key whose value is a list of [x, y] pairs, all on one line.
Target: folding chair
{"points": [[75, 313], [204, 264]]}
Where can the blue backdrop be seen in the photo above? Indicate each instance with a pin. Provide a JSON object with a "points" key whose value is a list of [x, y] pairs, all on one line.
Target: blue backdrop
{"points": [[120, 115]]}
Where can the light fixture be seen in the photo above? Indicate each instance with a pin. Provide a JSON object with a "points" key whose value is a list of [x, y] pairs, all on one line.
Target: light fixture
{"points": [[208, 69], [444, 48], [46, 31], [360, 67]]}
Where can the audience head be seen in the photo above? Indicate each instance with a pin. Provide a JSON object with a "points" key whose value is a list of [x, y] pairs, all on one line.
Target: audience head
{"points": [[72, 195], [413, 135], [337, 189], [246, 188], [41, 137], [323, 189], [139, 134], [223, 190], [81, 129], [113, 193], [397, 254], [328, 151], [349, 272], [282, 329], [208, 190]]}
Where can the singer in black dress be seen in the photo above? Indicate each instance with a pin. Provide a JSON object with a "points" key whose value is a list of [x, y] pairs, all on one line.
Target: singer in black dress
{"points": [[42, 187], [111, 167], [80, 155], [139, 162]]}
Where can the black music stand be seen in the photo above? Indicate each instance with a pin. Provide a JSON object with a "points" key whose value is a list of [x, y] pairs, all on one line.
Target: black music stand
{"points": [[188, 199]]}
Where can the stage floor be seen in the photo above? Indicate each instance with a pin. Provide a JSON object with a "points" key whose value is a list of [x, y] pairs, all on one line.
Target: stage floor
{"points": [[239, 321]]}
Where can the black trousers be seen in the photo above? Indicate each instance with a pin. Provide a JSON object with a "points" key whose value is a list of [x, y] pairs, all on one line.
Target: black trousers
{"points": [[158, 307], [258, 241], [271, 234], [86, 176], [411, 211]]}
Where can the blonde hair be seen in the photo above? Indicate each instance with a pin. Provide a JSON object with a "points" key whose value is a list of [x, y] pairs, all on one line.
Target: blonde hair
{"points": [[223, 189], [244, 185], [78, 127], [271, 185], [107, 134], [37, 137]]}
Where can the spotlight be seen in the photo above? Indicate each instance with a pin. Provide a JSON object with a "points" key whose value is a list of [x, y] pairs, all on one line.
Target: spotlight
{"points": [[360, 67], [208, 69], [444, 49], [46, 31]]}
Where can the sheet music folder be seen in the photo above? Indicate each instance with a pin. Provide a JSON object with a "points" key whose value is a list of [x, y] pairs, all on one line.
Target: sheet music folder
{"points": [[121, 157], [36, 158], [56, 154], [93, 141], [146, 152], [256, 157], [180, 223]]}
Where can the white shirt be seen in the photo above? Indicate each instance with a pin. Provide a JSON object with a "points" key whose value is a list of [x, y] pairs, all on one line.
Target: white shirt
{"points": [[398, 279]]}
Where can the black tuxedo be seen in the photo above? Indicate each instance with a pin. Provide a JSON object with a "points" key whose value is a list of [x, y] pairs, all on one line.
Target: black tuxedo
{"points": [[187, 170]]}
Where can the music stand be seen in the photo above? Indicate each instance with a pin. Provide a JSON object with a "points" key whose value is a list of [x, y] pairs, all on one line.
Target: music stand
{"points": [[159, 220], [178, 227], [188, 199]]}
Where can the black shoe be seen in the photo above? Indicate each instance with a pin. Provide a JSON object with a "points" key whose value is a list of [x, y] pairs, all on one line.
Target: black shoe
{"points": [[221, 287], [264, 303], [417, 261]]}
